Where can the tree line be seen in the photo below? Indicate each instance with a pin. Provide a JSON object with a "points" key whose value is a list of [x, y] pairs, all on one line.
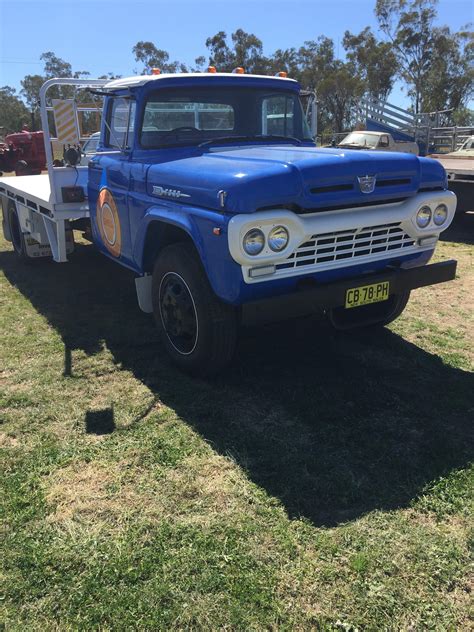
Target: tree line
{"points": [[434, 66]]}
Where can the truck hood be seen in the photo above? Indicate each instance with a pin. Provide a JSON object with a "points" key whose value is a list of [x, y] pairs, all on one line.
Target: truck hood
{"points": [[248, 178]]}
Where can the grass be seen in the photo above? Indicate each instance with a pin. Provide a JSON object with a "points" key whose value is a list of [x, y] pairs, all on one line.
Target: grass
{"points": [[322, 482]]}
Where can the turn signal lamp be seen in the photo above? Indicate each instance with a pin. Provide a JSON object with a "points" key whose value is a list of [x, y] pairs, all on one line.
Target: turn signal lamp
{"points": [[239, 70], [282, 73], [212, 69], [155, 71]]}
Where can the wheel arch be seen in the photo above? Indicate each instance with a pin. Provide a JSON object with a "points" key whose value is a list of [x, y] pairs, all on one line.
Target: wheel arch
{"points": [[159, 234], [162, 226]]}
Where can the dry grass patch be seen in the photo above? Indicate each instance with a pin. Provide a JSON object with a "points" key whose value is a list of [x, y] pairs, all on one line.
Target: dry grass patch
{"points": [[199, 491], [8, 441], [206, 490], [92, 493]]}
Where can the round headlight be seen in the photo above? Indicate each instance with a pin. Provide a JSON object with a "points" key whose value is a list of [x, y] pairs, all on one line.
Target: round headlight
{"points": [[254, 241], [278, 238], [440, 214], [423, 216]]}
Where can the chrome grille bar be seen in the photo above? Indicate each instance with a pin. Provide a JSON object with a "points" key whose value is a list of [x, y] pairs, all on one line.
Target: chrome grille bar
{"points": [[348, 245]]}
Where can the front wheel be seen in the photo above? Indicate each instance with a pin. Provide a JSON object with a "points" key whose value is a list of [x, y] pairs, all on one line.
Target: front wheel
{"points": [[374, 315], [198, 330]]}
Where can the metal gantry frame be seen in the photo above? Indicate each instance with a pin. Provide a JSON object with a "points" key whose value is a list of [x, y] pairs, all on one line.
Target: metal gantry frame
{"points": [[44, 109], [40, 212]]}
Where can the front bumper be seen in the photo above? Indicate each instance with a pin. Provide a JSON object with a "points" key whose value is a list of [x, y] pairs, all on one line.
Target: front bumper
{"points": [[330, 295]]}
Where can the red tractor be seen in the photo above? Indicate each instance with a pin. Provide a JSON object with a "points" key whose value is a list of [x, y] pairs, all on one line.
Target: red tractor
{"points": [[23, 152]]}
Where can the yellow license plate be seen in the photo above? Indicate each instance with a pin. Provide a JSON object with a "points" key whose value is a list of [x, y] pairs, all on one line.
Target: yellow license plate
{"points": [[366, 294]]}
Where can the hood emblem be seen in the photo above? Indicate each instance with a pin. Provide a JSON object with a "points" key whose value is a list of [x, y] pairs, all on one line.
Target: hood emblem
{"points": [[169, 193], [367, 183]]}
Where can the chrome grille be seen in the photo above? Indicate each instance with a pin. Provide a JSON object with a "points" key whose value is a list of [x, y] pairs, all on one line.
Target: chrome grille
{"points": [[348, 245]]}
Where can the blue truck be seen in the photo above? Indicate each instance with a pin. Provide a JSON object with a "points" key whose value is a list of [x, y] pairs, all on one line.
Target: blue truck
{"points": [[210, 188]]}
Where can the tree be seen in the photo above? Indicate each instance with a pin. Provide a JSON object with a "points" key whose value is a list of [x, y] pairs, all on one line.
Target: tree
{"points": [[246, 51], [110, 76], [450, 79], [220, 55], [30, 87], [409, 25], [54, 67], [13, 113], [435, 63], [339, 93], [284, 60], [336, 83], [463, 116], [152, 57], [316, 60], [373, 60]]}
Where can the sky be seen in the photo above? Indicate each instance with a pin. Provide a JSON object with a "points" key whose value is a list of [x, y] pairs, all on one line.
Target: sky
{"points": [[98, 35]]}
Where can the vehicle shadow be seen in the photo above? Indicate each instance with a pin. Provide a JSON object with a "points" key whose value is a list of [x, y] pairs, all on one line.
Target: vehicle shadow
{"points": [[461, 229], [333, 425]]}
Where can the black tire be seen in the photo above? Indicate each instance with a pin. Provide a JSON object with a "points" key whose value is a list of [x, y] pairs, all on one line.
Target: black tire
{"points": [[18, 239], [198, 330], [375, 315], [21, 168]]}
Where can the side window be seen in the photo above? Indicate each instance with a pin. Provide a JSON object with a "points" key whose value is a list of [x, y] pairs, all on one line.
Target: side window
{"points": [[278, 115], [121, 122], [384, 142]]}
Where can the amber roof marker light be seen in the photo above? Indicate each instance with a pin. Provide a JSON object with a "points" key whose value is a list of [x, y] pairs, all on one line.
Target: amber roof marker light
{"points": [[282, 73], [239, 70], [155, 71], [212, 69]]}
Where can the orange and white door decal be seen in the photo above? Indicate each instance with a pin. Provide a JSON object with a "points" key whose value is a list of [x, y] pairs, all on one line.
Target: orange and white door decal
{"points": [[108, 222]]}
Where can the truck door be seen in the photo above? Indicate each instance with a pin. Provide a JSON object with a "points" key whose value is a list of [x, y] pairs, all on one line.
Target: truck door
{"points": [[109, 182]]}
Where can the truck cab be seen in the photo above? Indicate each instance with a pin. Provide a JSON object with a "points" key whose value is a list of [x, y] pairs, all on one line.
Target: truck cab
{"points": [[210, 188]]}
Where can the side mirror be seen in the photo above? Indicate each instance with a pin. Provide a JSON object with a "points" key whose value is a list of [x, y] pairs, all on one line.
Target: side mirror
{"points": [[311, 112]]}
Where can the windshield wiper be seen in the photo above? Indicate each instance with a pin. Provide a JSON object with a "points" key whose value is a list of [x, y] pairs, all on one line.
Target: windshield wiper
{"points": [[230, 139]]}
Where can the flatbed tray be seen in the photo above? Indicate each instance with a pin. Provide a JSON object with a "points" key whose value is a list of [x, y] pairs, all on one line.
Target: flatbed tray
{"points": [[37, 190]]}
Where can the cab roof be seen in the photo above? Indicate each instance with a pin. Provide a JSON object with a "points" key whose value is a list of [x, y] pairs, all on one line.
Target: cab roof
{"points": [[141, 80]]}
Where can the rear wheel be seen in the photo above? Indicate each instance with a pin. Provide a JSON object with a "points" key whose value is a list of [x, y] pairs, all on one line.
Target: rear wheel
{"points": [[18, 239], [198, 330], [375, 315]]}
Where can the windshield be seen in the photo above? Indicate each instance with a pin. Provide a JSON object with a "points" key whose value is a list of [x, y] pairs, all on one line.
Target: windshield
{"points": [[360, 139], [195, 115]]}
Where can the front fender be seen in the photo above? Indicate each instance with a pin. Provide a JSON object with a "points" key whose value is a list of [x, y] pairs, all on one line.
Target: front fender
{"points": [[223, 272]]}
